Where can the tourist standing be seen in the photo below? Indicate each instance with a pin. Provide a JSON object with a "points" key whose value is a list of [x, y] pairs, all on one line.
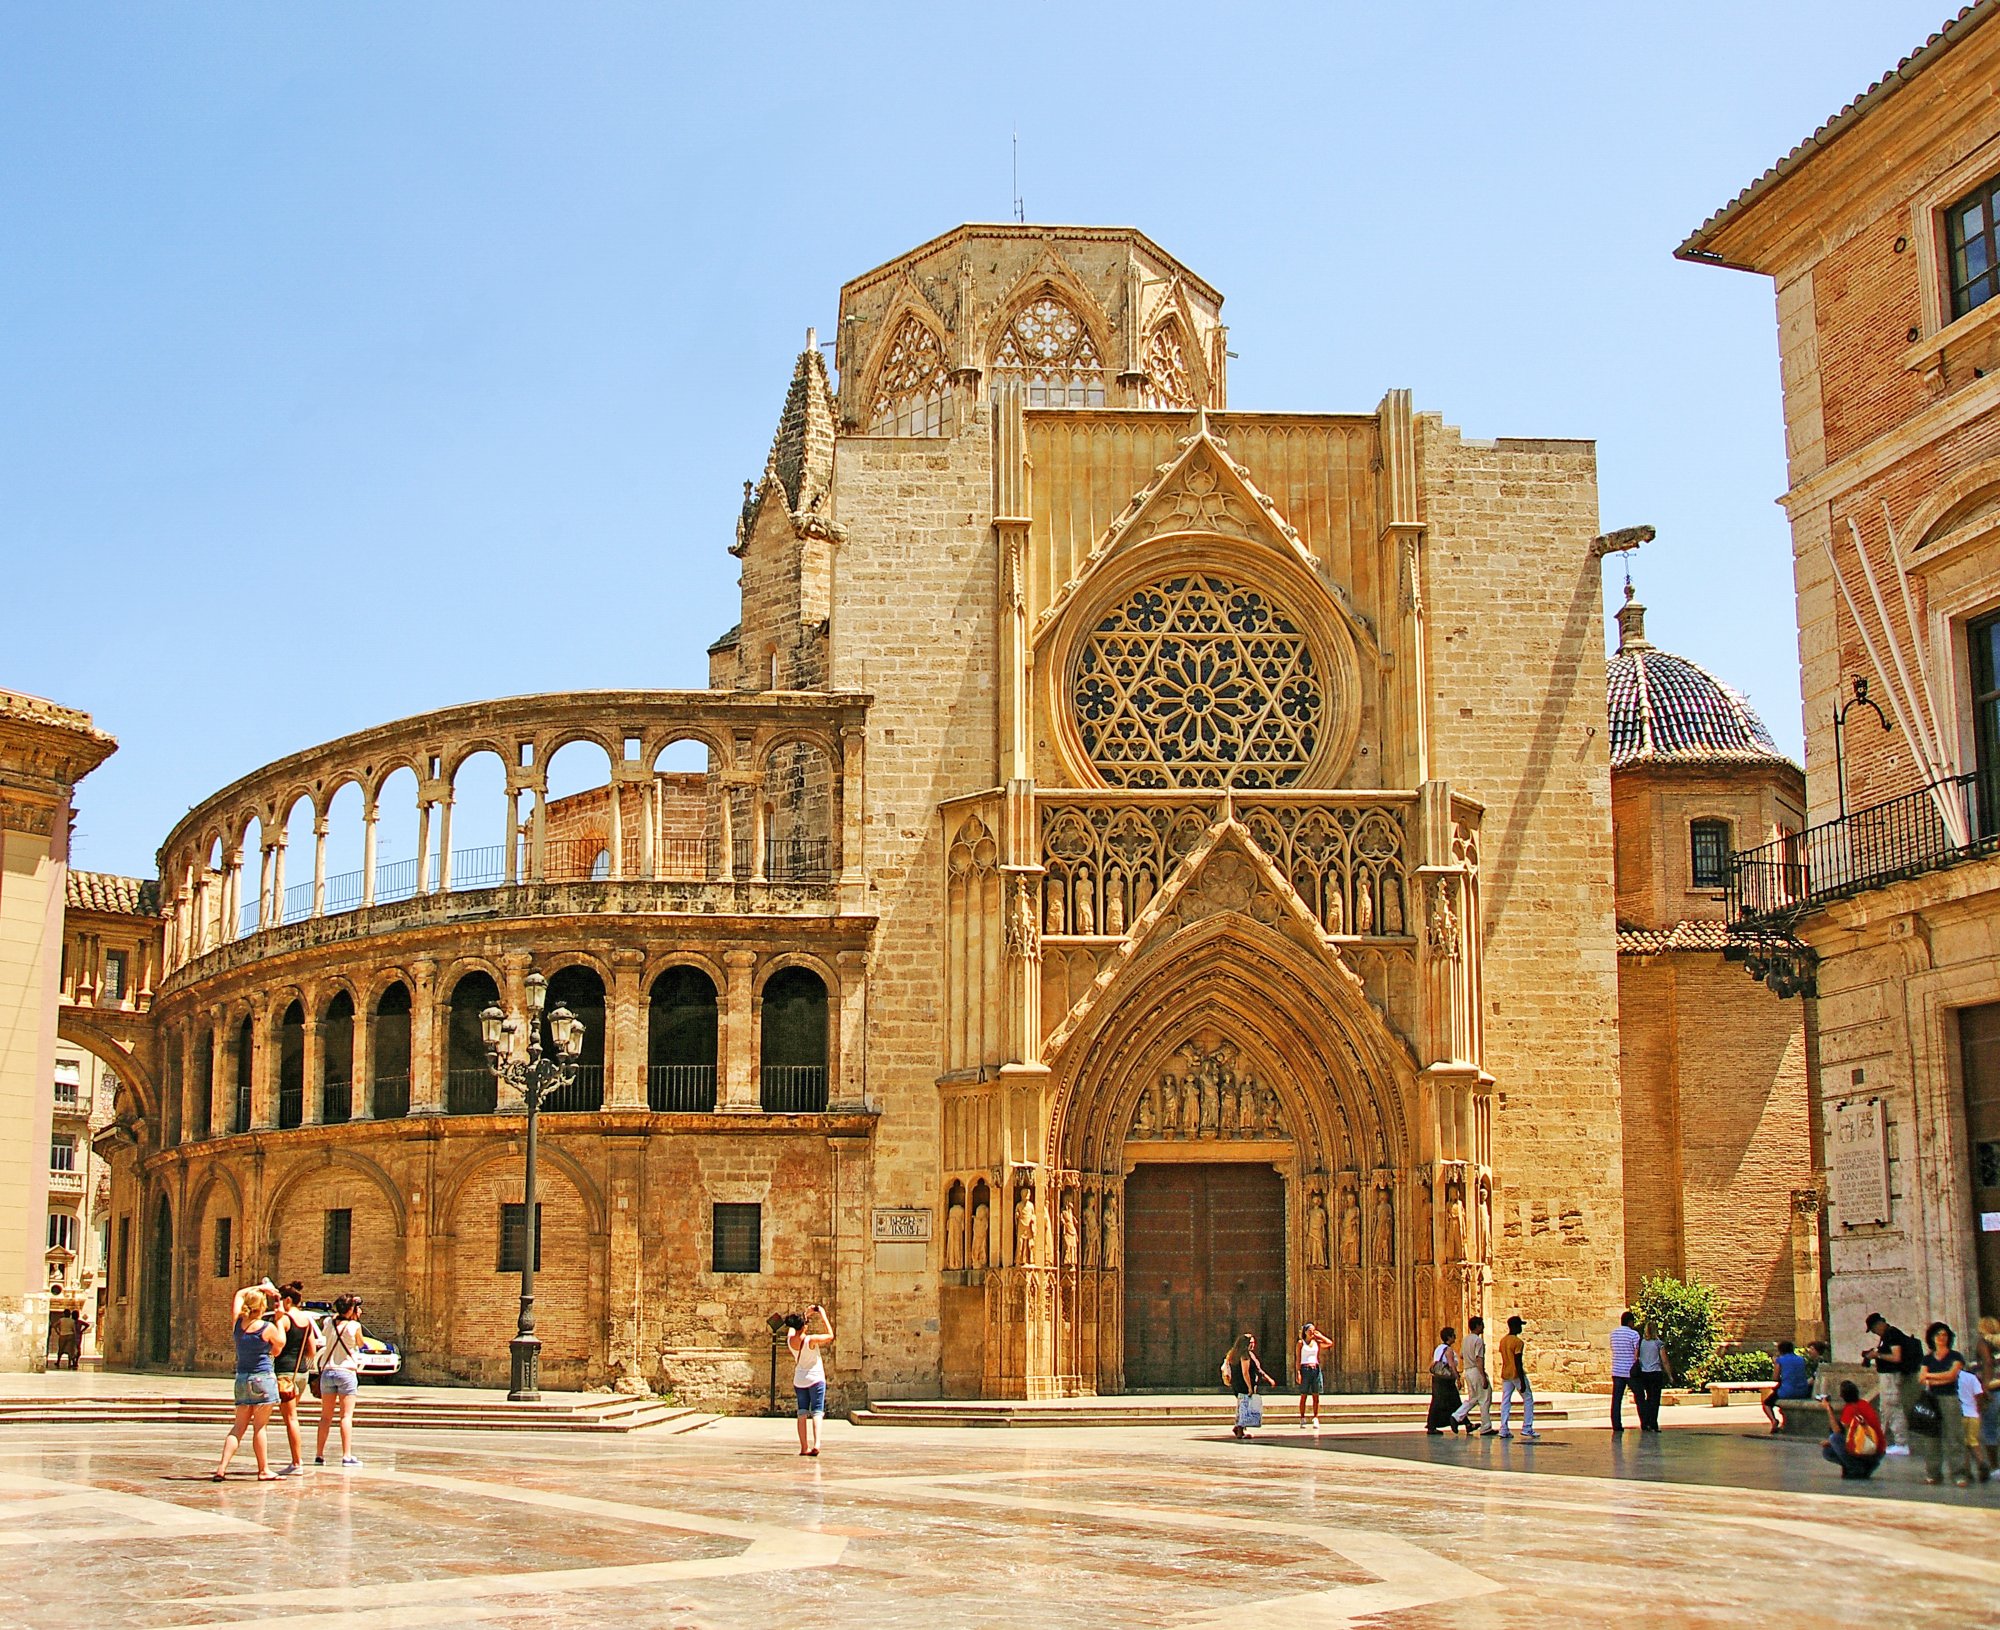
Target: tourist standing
{"points": [[1856, 1442], [1971, 1390], [1896, 1358], [809, 1372], [1938, 1374], [1313, 1348], [1794, 1384], [257, 1340], [1514, 1379], [1443, 1414], [1478, 1387], [340, 1379], [294, 1358], [1652, 1369], [1241, 1372], [1624, 1353]]}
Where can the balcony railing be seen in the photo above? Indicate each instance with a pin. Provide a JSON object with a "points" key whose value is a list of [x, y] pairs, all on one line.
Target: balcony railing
{"points": [[683, 1088], [65, 1182], [794, 1089], [1779, 882]]}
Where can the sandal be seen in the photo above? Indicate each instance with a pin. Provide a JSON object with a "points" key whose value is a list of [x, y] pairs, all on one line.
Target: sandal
{"points": [[217, 1477], [267, 1477]]}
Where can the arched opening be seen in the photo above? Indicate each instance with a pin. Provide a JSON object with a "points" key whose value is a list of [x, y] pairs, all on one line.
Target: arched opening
{"points": [[202, 1116], [292, 1066], [689, 812], [479, 825], [336, 1056], [345, 829], [579, 989], [1048, 347], [160, 1284], [246, 1059], [296, 899], [797, 814], [912, 385], [793, 1053], [469, 1088], [579, 818], [396, 837], [250, 879], [681, 1032], [390, 1086], [176, 1078]]}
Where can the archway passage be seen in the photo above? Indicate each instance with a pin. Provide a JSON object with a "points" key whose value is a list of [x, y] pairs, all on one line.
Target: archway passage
{"points": [[1204, 1262]]}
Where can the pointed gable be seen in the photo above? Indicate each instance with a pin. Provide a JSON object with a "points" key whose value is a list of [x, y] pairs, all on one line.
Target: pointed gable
{"points": [[800, 463]]}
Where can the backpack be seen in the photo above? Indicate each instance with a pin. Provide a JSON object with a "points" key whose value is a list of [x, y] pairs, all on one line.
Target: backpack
{"points": [[1864, 1442]]}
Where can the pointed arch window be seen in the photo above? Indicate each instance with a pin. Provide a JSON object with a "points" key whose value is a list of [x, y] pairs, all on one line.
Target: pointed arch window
{"points": [[1049, 347], [1169, 384], [913, 386]]}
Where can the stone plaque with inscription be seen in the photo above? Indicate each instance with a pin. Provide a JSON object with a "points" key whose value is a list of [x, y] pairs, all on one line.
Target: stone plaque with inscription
{"points": [[902, 1223], [1860, 1163]]}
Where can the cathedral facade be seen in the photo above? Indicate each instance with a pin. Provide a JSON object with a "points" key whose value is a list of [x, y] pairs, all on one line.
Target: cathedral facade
{"points": [[1152, 878]]}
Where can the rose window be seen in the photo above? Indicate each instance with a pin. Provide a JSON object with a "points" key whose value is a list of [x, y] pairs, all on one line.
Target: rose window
{"points": [[1198, 682], [1049, 347]]}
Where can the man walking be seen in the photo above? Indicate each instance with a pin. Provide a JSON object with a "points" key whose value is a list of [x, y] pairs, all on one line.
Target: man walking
{"points": [[1897, 1358], [1624, 1350], [1514, 1378], [1478, 1389]]}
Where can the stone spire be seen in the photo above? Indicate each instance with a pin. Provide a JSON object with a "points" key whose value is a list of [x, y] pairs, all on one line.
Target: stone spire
{"points": [[1632, 624]]}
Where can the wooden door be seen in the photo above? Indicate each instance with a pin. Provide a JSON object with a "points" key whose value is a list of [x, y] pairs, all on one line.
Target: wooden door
{"points": [[1204, 1262], [1979, 1044]]}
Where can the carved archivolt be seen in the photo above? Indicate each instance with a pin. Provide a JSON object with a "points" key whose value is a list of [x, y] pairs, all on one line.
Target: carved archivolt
{"points": [[1208, 1098]]}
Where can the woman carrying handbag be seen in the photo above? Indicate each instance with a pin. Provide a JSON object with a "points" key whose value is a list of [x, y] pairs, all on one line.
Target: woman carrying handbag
{"points": [[1240, 1373], [1443, 1415], [294, 1360]]}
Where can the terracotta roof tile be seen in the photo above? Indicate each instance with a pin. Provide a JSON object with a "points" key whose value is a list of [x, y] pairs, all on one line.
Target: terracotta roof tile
{"points": [[1685, 935], [106, 891]]}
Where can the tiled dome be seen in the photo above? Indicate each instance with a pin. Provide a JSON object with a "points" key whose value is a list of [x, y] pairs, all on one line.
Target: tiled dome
{"points": [[1665, 710]]}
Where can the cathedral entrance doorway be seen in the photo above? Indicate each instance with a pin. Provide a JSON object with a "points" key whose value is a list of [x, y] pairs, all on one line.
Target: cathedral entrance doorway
{"points": [[1204, 1262]]}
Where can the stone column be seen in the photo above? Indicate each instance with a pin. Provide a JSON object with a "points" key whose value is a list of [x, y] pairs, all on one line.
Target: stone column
{"points": [[848, 1087], [312, 1067], [263, 1077], [368, 819], [538, 828], [229, 1027], [444, 843], [319, 866], [361, 1103], [277, 882], [614, 832], [426, 1067], [423, 844], [625, 1041], [738, 1089]]}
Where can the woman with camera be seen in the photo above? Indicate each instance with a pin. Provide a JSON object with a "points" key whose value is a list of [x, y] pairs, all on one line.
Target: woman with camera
{"points": [[809, 1371]]}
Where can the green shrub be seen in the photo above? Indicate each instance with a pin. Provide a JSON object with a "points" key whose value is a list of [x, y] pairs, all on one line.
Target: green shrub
{"points": [[1751, 1364], [1689, 1318]]}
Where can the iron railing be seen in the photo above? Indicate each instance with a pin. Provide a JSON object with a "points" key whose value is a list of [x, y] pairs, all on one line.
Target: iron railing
{"points": [[336, 1101], [586, 1091], [1777, 883], [391, 1097], [683, 1088], [794, 1089], [470, 1092]]}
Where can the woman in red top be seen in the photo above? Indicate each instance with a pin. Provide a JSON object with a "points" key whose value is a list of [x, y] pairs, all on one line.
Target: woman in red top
{"points": [[1856, 1443]]}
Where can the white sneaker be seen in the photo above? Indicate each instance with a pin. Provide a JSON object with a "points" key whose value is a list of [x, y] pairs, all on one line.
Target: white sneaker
{"points": [[350, 1460], [1529, 1432], [1503, 1434], [293, 1470], [1897, 1449]]}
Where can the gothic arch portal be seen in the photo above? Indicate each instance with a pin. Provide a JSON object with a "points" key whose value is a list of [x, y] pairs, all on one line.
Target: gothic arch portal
{"points": [[1231, 1045]]}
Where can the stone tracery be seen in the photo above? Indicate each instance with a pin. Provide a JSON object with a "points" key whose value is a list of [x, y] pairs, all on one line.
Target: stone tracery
{"points": [[913, 384], [1049, 346]]}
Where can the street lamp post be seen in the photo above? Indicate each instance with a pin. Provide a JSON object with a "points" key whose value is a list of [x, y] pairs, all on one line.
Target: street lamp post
{"points": [[520, 1063]]}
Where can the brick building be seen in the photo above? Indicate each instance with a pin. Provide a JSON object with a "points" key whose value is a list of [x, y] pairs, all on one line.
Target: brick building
{"points": [[1879, 234], [1720, 1179], [1152, 877]]}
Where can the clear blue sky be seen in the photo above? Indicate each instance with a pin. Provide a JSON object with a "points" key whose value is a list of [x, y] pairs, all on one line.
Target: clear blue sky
{"points": [[361, 359]]}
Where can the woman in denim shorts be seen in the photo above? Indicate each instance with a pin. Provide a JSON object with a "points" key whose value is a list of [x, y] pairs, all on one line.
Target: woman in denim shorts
{"points": [[339, 1377], [257, 1339], [809, 1371]]}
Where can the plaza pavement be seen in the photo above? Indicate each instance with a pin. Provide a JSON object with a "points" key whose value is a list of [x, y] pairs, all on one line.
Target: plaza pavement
{"points": [[928, 1528]]}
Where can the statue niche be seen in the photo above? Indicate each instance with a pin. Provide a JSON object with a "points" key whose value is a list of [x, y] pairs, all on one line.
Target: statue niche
{"points": [[1208, 1100]]}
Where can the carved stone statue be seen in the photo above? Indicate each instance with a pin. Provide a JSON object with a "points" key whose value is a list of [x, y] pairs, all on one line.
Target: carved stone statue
{"points": [[982, 1235], [1350, 1229], [1052, 895], [1024, 1226], [1423, 1222], [1392, 906], [1336, 912], [1023, 934], [1082, 911], [1089, 1225], [1114, 904], [1364, 905], [954, 1234], [1486, 1212], [1110, 1230], [1190, 1108], [1454, 1221], [1316, 1231], [1143, 1122], [1069, 1231], [1229, 1112], [1385, 1228]]}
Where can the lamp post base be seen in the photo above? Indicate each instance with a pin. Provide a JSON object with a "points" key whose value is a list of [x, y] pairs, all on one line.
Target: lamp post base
{"points": [[525, 1384]]}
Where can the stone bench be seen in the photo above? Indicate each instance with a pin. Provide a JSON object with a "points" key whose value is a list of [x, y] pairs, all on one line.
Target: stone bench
{"points": [[1721, 1394]]}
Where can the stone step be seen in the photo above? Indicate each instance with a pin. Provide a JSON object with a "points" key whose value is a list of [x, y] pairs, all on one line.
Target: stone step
{"points": [[611, 1415], [1141, 1410]]}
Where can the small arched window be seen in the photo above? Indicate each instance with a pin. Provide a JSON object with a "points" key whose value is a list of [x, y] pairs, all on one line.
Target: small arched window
{"points": [[469, 1088], [336, 1056], [1708, 854], [913, 386], [681, 1036], [1168, 381], [390, 1090], [1048, 346], [292, 1066]]}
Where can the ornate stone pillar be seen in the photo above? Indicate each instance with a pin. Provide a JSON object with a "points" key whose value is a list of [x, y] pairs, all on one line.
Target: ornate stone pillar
{"points": [[625, 1037], [426, 1067], [361, 1100], [312, 1067], [263, 1078], [848, 1088], [739, 1087]]}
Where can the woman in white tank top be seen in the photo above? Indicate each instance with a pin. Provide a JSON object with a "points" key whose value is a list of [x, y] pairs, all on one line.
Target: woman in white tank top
{"points": [[1314, 1345], [809, 1371]]}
